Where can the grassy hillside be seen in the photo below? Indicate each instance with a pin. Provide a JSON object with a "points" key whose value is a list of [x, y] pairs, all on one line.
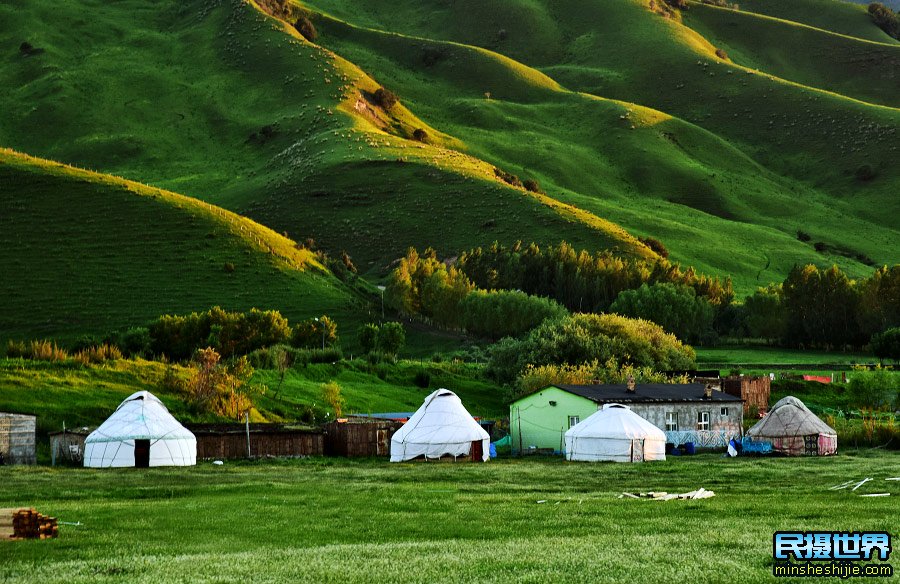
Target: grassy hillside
{"points": [[70, 393], [629, 121], [841, 17], [84, 252], [859, 69], [220, 102]]}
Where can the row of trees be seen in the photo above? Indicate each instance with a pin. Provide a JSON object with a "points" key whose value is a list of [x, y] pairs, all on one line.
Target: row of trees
{"points": [[823, 307], [579, 280], [422, 285], [236, 333], [387, 339]]}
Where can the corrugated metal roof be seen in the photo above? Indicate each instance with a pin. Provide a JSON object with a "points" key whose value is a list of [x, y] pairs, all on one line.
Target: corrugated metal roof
{"points": [[647, 393]]}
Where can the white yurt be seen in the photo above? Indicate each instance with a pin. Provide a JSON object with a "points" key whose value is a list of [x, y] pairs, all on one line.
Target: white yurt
{"points": [[615, 433], [441, 426], [140, 433], [794, 430]]}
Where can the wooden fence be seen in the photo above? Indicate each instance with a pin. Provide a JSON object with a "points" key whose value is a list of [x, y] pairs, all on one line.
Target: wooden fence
{"points": [[221, 441], [360, 438]]}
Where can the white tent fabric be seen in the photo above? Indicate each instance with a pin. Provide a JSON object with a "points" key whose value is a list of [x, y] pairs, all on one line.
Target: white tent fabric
{"points": [[442, 425], [140, 417], [615, 433]]}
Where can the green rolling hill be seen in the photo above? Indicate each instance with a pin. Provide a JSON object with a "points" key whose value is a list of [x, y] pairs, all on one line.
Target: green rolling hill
{"points": [[630, 122], [88, 253]]}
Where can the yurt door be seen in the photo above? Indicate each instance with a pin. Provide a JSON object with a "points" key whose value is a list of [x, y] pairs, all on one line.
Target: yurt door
{"points": [[476, 451], [637, 450], [141, 453]]}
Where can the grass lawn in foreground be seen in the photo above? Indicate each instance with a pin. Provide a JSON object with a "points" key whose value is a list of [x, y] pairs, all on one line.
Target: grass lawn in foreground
{"points": [[337, 520]]}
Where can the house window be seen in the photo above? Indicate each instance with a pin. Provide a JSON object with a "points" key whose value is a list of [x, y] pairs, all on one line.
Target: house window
{"points": [[724, 412], [671, 421], [573, 420], [703, 420]]}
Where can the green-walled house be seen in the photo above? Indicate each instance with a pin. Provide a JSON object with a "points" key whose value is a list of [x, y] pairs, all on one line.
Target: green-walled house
{"points": [[689, 412]]}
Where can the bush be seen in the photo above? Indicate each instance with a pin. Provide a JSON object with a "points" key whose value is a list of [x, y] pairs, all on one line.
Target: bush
{"points": [[505, 313], [655, 245], [134, 342], [420, 135], [585, 338], [535, 378], [508, 178], [228, 267], [45, 351], [305, 27], [97, 354], [874, 389], [865, 173], [315, 333], [368, 337], [422, 379], [391, 338], [720, 53], [384, 98], [885, 19], [331, 395], [533, 186], [803, 236], [15, 349]]}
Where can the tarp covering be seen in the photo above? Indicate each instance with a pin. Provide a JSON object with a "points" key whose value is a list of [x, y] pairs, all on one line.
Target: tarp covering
{"points": [[615, 433], [793, 429], [441, 426], [140, 417]]}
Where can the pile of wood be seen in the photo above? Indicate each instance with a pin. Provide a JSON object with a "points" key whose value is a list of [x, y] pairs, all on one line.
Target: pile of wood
{"points": [[27, 524], [700, 493]]}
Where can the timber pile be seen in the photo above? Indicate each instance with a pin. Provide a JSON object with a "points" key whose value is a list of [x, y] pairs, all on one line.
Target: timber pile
{"points": [[27, 524], [700, 493]]}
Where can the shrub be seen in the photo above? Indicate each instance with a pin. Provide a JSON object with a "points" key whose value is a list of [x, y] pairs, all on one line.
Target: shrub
{"points": [[885, 19], [25, 48], [505, 313], [391, 338], [15, 349], [432, 55], [331, 395], [420, 135], [45, 351], [384, 98], [874, 389], [655, 245], [97, 354], [229, 267], [677, 309], [216, 388], [422, 379], [532, 185], [305, 27], [134, 342], [315, 333], [368, 337], [865, 173], [803, 236], [720, 53], [508, 178]]}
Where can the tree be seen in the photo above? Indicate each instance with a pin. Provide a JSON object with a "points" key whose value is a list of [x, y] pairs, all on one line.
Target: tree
{"points": [[384, 98], [368, 337], [331, 394], [215, 388], [305, 27], [873, 389], [821, 307], [886, 345], [391, 338], [677, 309], [283, 361], [315, 333], [885, 19], [764, 314]]}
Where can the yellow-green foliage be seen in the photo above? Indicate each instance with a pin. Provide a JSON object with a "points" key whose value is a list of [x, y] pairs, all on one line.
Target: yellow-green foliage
{"points": [[534, 377], [331, 394], [98, 354]]}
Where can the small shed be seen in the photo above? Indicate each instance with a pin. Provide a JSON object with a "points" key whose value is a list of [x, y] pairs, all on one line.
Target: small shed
{"points": [[17, 439], [67, 446], [356, 436], [754, 390], [266, 440]]}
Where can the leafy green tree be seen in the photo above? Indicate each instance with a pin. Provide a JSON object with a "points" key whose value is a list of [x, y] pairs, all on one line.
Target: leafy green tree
{"points": [[315, 333], [821, 307], [886, 345], [873, 389], [501, 313], [368, 337], [677, 309], [391, 338], [764, 313]]}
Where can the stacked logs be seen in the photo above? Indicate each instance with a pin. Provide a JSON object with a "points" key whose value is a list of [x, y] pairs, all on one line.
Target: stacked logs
{"points": [[27, 524]]}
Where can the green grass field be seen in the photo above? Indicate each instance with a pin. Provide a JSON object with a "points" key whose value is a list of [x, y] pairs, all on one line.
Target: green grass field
{"points": [[330, 520], [730, 355]]}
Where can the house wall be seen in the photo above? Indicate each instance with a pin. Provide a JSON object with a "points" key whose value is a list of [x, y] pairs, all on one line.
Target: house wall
{"points": [[533, 422], [17, 439], [688, 412]]}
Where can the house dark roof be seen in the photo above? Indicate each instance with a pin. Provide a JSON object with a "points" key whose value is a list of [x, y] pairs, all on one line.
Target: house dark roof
{"points": [[647, 393]]}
